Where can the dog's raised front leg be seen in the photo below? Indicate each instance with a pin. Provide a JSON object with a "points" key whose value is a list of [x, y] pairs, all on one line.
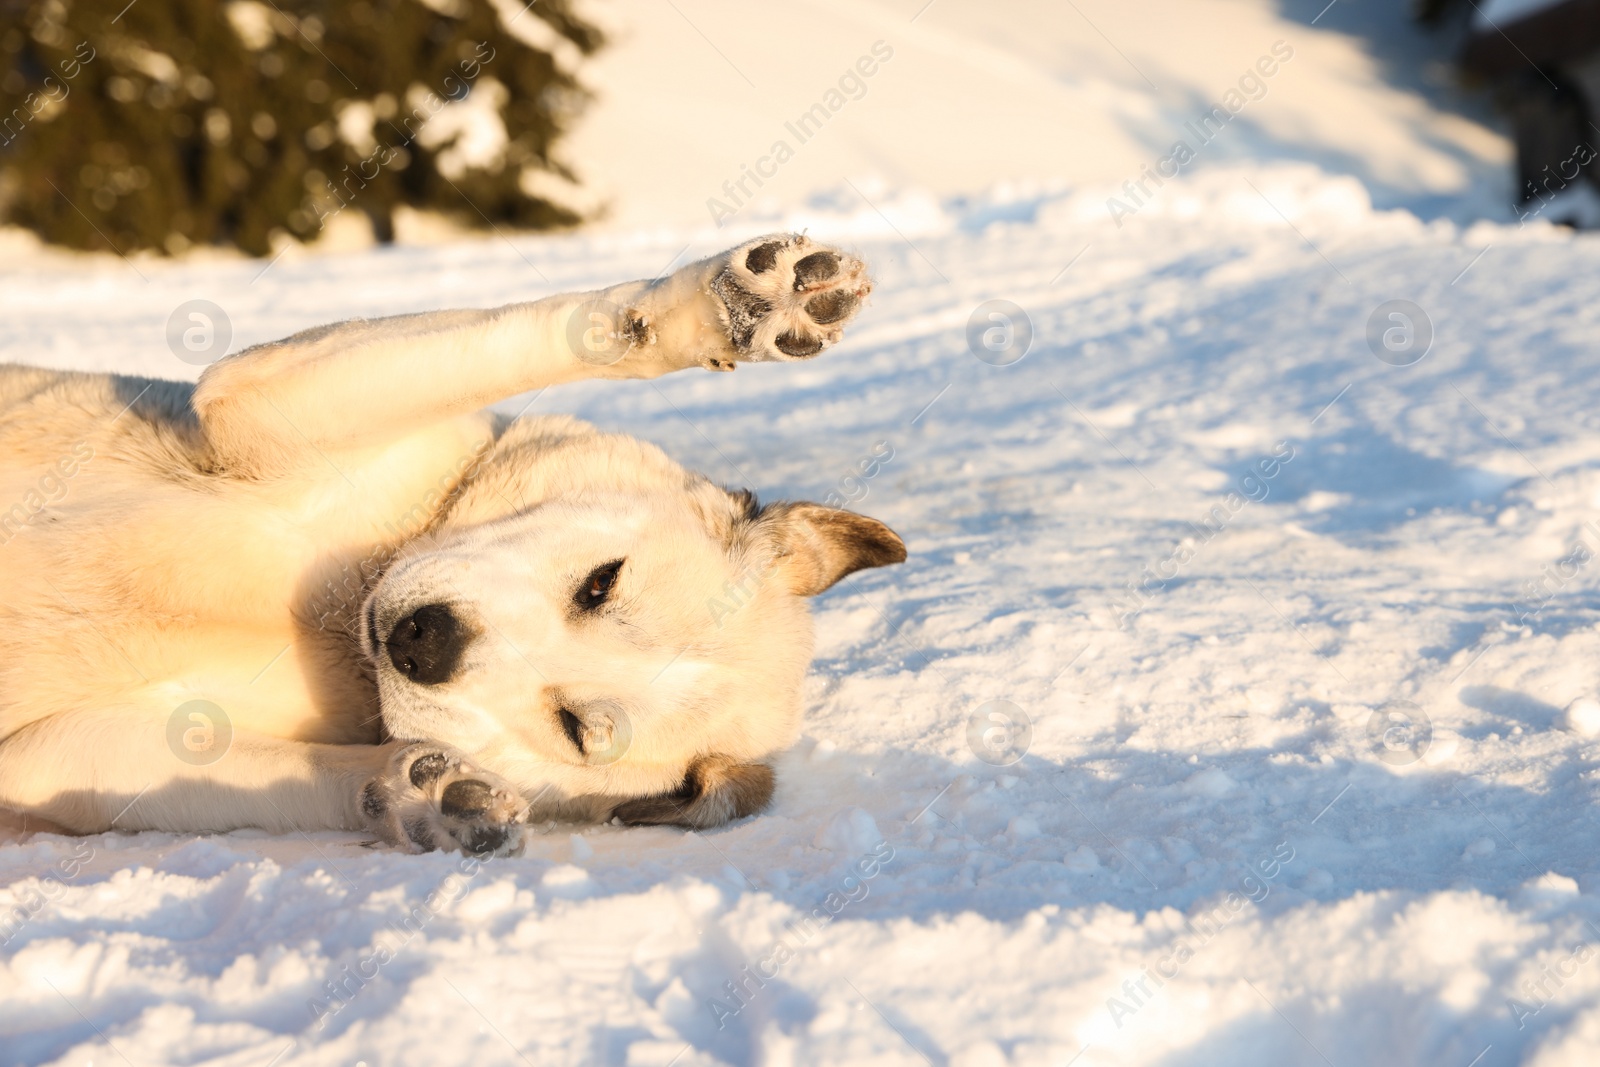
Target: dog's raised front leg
{"points": [[368, 383]]}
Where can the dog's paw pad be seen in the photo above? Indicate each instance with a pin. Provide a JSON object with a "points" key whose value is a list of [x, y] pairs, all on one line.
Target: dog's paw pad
{"points": [[432, 797], [797, 345], [641, 331], [428, 768], [815, 269], [785, 298], [763, 257], [745, 311], [466, 799], [836, 305], [373, 804]]}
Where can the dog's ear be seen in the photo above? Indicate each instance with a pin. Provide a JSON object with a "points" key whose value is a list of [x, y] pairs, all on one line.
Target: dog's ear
{"points": [[818, 545], [715, 790]]}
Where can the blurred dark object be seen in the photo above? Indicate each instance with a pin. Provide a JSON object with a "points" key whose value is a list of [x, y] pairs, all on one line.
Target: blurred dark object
{"points": [[162, 124], [1431, 12], [1546, 35], [1550, 123], [1542, 59]]}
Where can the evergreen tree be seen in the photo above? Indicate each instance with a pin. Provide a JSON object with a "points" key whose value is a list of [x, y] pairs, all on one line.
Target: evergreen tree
{"points": [[165, 123]]}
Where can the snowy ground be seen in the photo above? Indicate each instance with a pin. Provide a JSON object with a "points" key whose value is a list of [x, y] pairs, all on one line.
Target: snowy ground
{"points": [[1211, 849], [1386, 908], [1040, 90]]}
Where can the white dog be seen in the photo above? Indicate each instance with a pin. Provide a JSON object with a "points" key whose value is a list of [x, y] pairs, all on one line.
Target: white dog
{"points": [[324, 589]]}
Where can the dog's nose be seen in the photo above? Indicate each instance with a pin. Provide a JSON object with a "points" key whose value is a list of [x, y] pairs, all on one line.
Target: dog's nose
{"points": [[426, 645]]}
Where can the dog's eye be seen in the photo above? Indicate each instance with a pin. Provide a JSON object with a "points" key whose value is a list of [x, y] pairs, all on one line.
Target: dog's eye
{"points": [[597, 587]]}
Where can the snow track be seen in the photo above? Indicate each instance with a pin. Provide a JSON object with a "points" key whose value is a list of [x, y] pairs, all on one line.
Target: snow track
{"points": [[1208, 853]]}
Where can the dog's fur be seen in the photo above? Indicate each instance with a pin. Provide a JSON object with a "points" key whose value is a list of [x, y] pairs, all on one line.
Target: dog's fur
{"points": [[403, 613]]}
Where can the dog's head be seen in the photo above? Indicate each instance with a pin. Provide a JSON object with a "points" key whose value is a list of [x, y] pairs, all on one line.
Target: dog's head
{"points": [[632, 643]]}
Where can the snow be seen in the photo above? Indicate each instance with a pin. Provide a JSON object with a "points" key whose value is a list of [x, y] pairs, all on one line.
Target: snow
{"points": [[1583, 716], [1035, 90], [1316, 787], [1203, 793], [1505, 12]]}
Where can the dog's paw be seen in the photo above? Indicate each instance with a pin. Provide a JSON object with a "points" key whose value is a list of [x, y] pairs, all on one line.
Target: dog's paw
{"points": [[784, 297], [431, 797]]}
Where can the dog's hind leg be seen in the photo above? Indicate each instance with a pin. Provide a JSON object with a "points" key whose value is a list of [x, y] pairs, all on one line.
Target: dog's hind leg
{"points": [[364, 384]]}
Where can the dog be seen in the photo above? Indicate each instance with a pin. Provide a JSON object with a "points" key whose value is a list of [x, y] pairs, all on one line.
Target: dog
{"points": [[327, 589]]}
